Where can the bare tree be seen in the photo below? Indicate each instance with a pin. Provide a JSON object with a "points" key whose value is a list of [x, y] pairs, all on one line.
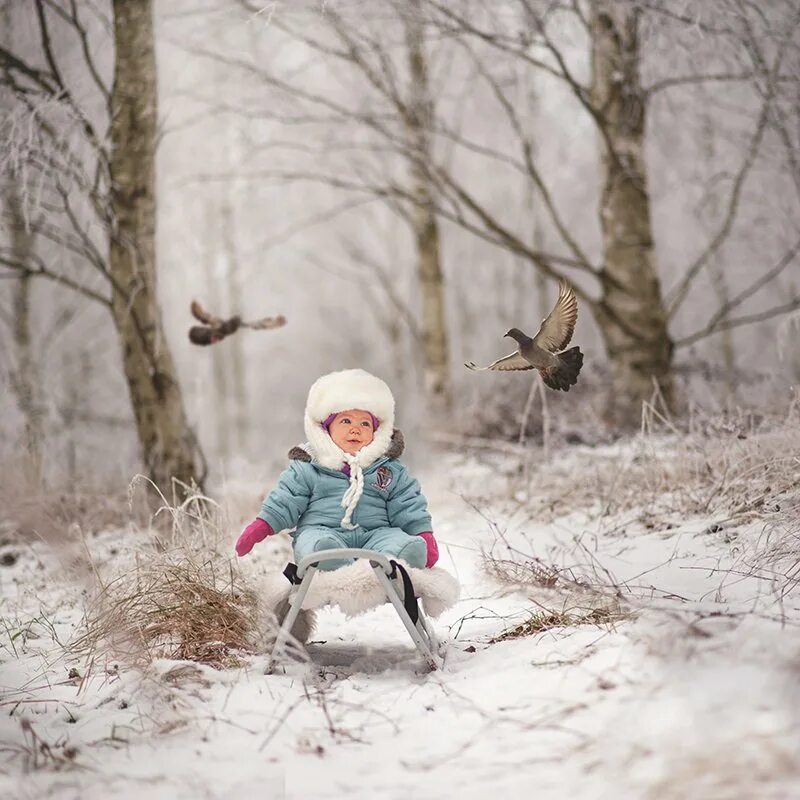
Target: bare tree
{"points": [[619, 282], [219, 380], [238, 382], [395, 73], [25, 375], [716, 268], [632, 317], [418, 116], [631, 311], [167, 442], [86, 168]]}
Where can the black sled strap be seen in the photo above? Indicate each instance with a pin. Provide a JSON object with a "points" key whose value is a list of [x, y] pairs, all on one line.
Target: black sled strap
{"points": [[291, 573], [409, 598]]}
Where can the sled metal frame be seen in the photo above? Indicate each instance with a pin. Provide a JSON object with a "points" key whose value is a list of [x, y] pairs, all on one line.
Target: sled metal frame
{"points": [[422, 634]]}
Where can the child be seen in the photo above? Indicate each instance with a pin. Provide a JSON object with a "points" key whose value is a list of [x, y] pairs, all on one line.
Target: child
{"points": [[345, 486]]}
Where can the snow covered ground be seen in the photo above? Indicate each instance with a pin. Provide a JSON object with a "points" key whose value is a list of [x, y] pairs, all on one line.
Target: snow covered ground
{"points": [[693, 691]]}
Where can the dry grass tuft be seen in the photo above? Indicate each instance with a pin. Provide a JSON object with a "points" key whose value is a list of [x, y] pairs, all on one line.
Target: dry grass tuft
{"points": [[565, 598], [183, 610], [181, 599], [530, 571], [736, 467], [37, 753], [548, 620], [32, 510]]}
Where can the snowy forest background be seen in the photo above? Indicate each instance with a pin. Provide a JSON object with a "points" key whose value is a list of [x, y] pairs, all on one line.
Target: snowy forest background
{"points": [[287, 183], [402, 181]]}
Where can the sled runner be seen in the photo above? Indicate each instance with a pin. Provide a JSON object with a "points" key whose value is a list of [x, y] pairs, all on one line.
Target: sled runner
{"points": [[436, 588]]}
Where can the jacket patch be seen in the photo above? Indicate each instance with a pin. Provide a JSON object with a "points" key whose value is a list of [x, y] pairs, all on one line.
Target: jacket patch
{"points": [[383, 478]]}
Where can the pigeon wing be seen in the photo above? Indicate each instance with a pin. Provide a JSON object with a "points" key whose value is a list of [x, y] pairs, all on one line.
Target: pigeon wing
{"points": [[199, 313], [556, 330], [512, 362], [266, 323]]}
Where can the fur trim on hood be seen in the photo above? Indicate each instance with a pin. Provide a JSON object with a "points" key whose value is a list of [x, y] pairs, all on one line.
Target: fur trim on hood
{"points": [[341, 391]]}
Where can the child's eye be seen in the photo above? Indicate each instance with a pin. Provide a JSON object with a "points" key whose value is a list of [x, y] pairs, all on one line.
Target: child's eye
{"points": [[345, 420], [367, 424]]}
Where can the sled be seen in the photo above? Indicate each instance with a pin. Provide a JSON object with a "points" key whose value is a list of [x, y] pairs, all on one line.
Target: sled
{"points": [[392, 577]]}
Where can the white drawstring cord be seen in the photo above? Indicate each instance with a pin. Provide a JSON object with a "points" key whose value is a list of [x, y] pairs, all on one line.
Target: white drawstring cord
{"points": [[354, 490]]}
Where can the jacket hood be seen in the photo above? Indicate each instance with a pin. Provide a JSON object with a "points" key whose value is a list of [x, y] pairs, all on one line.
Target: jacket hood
{"points": [[341, 391]]}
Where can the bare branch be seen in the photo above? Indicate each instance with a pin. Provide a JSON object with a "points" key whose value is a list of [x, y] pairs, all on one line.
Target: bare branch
{"points": [[40, 270], [750, 319], [44, 33], [530, 167], [683, 80], [389, 285], [579, 90], [290, 231], [9, 62], [497, 233], [719, 321], [62, 90], [778, 120], [658, 7], [678, 294], [73, 19], [296, 92], [510, 240], [500, 43]]}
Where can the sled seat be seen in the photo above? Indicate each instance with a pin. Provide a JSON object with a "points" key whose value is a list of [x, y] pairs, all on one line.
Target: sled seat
{"points": [[395, 581]]}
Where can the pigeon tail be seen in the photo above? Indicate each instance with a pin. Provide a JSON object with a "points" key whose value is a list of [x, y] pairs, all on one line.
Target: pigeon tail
{"points": [[566, 373]]}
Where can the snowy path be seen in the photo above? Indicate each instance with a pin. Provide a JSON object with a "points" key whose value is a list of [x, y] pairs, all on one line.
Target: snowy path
{"points": [[671, 703]]}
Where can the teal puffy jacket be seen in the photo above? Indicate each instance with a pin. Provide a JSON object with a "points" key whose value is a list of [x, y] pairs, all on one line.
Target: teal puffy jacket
{"points": [[308, 494]]}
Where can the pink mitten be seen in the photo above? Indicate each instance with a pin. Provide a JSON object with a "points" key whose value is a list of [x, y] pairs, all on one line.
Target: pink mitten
{"points": [[255, 532], [433, 548]]}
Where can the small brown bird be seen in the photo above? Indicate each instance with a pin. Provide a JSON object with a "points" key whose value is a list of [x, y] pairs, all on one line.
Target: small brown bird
{"points": [[559, 370], [215, 329]]}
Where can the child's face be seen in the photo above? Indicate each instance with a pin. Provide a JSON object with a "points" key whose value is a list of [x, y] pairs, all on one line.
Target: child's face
{"points": [[351, 430]]}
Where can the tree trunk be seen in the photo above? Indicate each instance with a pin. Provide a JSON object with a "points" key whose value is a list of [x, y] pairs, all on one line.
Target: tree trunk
{"points": [[169, 448], [716, 270], [215, 401], [25, 378], [238, 385], [419, 119], [631, 313]]}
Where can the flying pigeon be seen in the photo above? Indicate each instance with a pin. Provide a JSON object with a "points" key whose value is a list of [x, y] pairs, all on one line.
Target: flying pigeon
{"points": [[214, 328], [559, 368]]}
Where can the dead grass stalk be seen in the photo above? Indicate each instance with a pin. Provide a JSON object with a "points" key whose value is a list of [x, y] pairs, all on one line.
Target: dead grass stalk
{"points": [[181, 599]]}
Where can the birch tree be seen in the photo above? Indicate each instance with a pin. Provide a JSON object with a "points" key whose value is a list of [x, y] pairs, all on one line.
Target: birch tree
{"points": [[394, 73], [595, 52], [631, 315], [25, 377], [23, 371], [418, 116], [89, 180]]}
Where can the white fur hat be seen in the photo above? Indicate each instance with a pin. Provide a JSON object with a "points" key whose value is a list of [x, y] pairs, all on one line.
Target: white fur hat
{"points": [[342, 391]]}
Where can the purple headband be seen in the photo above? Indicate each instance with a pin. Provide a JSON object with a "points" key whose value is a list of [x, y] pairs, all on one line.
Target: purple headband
{"points": [[331, 417]]}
